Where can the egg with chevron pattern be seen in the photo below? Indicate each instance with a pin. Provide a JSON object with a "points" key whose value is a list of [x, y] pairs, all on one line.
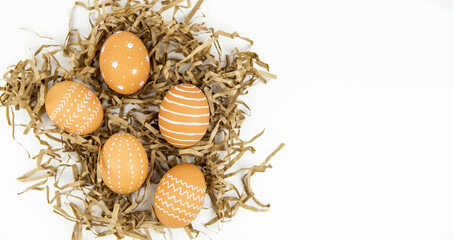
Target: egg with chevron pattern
{"points": [[74, 108], [184, 115], [180, 195]]}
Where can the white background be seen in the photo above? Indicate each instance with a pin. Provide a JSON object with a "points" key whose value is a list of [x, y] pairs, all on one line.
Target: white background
{"points": [[363, 102]]}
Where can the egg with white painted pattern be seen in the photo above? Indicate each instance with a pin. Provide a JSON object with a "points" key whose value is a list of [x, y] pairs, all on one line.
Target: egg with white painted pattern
{"points": [[74, 108], [184, 115], [124, 163], [124, 62], [180, 195]]}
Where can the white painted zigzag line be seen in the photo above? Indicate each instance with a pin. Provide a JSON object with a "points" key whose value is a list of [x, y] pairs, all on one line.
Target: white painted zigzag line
{"points": [[193, 206], [198, 197], [171, 214], [198, 189], [190, 214]]}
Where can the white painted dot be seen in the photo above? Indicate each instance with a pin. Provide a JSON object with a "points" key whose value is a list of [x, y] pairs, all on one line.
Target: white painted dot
{"points": [[89, 109], [120, 87], [64, 115], [132, 167], [108, 172], [72, 104], [141, 83], [134, 71], [128, 57], [84, 117], [147, 58], [103, 76], [115, 64], [132, 183], [130, 45]]}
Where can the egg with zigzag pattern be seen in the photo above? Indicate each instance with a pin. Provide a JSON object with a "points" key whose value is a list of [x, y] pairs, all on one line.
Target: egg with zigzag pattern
{"points": [[180, 195]]}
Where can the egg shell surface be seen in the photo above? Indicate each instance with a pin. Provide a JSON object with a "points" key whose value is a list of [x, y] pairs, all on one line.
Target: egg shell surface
{"points": [[124, 62], [74, 108], [184, 115], [124, 163], [180, 195]]}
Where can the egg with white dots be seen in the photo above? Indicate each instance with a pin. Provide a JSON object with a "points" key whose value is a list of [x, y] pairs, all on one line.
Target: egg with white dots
{"points": [[124, 163], [124, 63]]}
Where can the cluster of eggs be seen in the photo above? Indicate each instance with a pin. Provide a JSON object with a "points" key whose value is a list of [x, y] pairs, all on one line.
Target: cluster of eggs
{"points": [[183, 121]]}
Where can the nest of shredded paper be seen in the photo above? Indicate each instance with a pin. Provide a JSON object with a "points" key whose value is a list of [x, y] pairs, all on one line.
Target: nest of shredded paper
{"points": [[177, 56]]}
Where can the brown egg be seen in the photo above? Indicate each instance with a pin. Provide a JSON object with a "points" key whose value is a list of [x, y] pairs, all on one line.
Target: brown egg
{"points": [[124, 163], [184, 115], [124, 62], [180, 195], [74, 107]]}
